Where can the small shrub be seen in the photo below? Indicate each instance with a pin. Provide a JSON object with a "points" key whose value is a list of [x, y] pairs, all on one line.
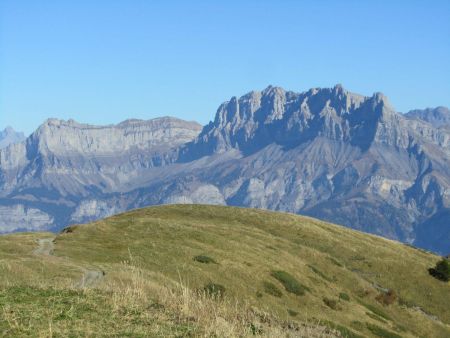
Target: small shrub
{"points": [[259, 294], [272, 289], [380, 332], [331, 303], [215, 290], [290, 283], [204, 259], [441, 271], [344, 296]]}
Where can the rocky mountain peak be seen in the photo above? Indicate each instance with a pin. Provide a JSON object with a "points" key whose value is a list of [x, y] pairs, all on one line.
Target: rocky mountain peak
{"points": [[275, 115]]}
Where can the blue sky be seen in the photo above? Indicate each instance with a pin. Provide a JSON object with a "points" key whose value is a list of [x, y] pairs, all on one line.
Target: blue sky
{"points": [[104, 61]]}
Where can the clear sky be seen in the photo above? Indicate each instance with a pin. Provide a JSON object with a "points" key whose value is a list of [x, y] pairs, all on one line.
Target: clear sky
{"points": [[105, 61]]}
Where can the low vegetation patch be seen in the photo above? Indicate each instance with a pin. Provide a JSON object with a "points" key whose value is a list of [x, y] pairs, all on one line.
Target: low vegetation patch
{"points": [[215, 290], [380, 332], [344, 331], [387, 298], [335, 262], [272, 289], [290, 283], [204, 259], [292, 313], [344, 296], [374, 316], [441, 271], [376, 311], [320, 273], [331, 303]]}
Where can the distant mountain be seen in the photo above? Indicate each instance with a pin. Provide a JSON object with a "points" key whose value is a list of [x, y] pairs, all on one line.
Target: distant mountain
{"points": [[438, 117], [9, 136], [327, 152]]}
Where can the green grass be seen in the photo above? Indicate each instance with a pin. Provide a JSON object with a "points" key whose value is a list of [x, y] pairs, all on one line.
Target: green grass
{"points": [[380, 332], [320, 273], [290, 283], [377, 311], [148, 256], [272, 289]]}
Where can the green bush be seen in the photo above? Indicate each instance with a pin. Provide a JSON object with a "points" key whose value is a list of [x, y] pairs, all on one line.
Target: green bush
{"points": [[442, 270], [290, 283], [204, 259], [272, 289], [344, 296]]}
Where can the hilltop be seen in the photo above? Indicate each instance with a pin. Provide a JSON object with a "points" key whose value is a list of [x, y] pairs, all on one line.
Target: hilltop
{"points": [[200, 270]]}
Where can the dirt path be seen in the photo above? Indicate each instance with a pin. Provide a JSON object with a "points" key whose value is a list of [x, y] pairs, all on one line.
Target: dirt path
{"points": [[45, 247], [89, 278]]}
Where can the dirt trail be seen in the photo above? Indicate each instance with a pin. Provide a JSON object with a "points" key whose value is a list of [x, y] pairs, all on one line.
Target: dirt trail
{"points": [[89, 278], [45, 247]]}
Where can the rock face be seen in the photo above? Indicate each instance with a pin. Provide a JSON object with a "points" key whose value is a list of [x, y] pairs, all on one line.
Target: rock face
{"points": [[9, 136], [438, 117], [328, 153]]}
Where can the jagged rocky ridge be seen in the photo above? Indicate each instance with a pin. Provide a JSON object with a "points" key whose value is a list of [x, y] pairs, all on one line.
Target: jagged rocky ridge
{"points": [[328, 153]]}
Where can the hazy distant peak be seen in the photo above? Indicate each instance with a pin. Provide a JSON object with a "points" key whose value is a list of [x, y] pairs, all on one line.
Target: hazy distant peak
{"points": [[9, 136], [437, 117]]}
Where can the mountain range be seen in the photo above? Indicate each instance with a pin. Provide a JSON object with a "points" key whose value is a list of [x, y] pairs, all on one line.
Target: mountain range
{"points": [[327, 152]]}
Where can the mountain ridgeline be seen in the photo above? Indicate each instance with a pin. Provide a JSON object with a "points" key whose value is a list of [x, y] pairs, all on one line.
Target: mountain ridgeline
{"points": [[327, 153]]}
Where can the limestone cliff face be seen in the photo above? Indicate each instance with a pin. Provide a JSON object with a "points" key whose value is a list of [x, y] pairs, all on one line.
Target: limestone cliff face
{"points": [[327, 152], [64, 167]]}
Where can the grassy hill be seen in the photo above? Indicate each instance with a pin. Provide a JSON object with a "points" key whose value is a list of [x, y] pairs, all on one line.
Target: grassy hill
{"points": [[192, 270]]}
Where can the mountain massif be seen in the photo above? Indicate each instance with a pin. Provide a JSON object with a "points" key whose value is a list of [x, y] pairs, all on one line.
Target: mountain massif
{"points": [[327, 152]]}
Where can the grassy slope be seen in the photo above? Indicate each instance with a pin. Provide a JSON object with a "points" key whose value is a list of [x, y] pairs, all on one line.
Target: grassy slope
{"points": [[147, 253]]}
